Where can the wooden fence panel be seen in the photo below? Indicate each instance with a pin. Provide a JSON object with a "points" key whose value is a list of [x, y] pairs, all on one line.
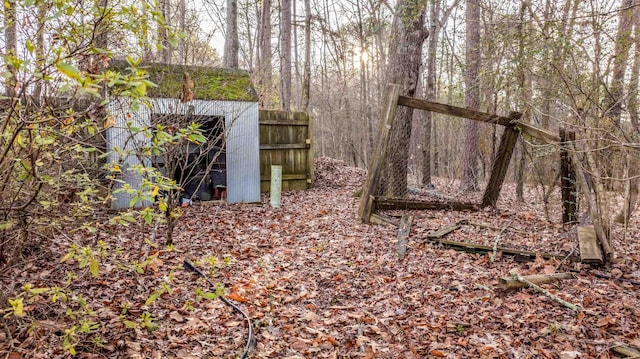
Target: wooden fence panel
{"points": [[286, 139]]}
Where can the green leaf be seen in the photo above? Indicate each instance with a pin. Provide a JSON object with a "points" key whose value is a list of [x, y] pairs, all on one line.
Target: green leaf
{"points": [[209, 295], [93, 267], [152, 298], [36, 291], [4, 225], [17, 306], [69, 70], [129, 324], [140, 89], [148, 217], [197, 138], [28, 44]]}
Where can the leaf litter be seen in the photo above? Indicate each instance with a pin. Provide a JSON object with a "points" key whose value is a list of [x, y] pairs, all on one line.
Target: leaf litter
{"points": [[318, 283]]}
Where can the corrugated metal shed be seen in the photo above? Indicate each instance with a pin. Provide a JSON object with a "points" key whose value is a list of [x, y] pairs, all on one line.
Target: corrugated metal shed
{"points": [[217, 92]]}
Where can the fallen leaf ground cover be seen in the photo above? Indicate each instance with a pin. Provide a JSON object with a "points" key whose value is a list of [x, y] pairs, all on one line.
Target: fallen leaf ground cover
{"points": [[318, 283]]}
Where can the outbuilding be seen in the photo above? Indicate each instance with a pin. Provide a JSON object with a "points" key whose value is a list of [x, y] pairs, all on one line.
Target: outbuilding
{"points": [[225, 104]]}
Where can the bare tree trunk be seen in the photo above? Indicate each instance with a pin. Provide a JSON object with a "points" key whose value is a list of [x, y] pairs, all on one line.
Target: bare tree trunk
{"points": [[182, 47], [40, 60], [632, 186], [635, 75], [11, 44], [430, 92], [231, 42], [525, 94], [265, 78], [306, 82], [471, 154], [621, 57], [285, 55], [163, 33], [405, 56]]}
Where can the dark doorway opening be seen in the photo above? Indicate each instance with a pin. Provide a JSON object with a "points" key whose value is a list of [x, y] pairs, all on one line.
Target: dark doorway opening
{"points": [[201, 170]]}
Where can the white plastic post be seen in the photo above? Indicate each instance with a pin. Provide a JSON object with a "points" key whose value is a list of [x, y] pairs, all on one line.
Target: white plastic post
{"points": [[276, 186]]}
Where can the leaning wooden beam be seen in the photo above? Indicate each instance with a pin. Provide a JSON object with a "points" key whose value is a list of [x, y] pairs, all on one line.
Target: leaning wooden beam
{"points": [[511, 283], [501, 164], [380, 153], [453, 110], [475, 247], [445, 109], [410, 204], [403, 234], [536, 132]]}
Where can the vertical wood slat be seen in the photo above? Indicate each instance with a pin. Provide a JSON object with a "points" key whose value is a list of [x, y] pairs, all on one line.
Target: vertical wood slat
{"points": [[286, 140], [501, 163], [310, 152], [392, 94], [568, 180]]}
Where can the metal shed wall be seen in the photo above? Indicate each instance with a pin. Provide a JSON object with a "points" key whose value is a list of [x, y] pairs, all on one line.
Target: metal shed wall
{"points": [[119, 137], [242, 138]]}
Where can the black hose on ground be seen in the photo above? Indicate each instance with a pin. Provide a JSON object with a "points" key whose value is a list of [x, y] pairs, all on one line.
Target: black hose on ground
{"points": [[251, 340]]}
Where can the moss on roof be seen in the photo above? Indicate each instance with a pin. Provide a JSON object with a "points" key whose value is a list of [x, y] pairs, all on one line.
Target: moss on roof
{"points": [[209, 83]]}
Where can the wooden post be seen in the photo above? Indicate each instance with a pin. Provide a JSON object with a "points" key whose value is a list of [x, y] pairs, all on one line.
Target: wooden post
{"points": [[592, 205], [372, 183], [311, 179], [501, 163], [403, 235], [568, 179]]}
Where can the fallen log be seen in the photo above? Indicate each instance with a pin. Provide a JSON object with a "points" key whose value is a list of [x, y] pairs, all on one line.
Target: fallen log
{"points": [[625, 350], [512, 283], [383, 203], [520, 254], [548, 294]]}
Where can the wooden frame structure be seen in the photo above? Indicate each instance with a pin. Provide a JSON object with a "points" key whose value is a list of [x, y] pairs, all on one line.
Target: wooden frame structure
{"points": [[513, 128]]}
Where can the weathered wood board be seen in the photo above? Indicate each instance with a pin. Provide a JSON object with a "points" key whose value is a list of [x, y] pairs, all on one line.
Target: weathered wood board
{"points": [[403, 234], [286, 139], [412, 204], [446, 230], [501, 164], [589, 249], [384, 134]]}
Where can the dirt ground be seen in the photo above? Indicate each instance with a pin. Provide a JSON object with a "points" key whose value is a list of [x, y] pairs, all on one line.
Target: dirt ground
{"points": [[318, 283]]}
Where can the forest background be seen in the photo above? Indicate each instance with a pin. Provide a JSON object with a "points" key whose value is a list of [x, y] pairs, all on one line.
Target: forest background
{"points": [[570, 65]]}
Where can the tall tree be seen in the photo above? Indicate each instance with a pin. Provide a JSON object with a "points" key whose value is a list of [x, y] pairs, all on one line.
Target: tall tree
{"points": [[632, 132], [285, 55], [163, 31], [265, 74], [436, 20], [525, 95], [182, 46], [306, 80], [621, 56], [407, 37], [471, 154], [231, 41], [11, 44]]}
